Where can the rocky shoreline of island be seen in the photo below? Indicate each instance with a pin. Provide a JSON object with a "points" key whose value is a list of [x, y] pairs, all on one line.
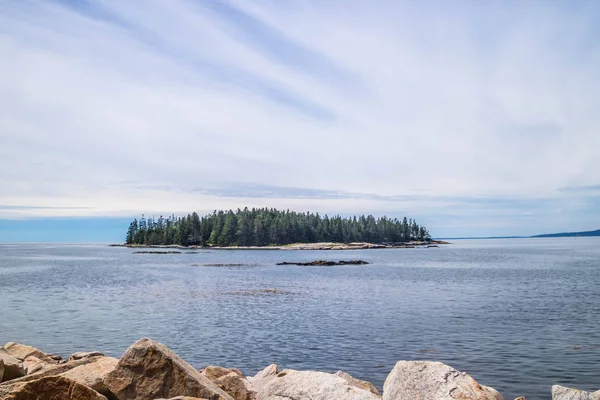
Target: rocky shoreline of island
{"points": [[149, 370], [298, 246]]}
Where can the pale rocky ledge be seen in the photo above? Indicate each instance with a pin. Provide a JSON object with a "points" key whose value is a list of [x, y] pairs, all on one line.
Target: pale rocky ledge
{"points": [[150, 371]]}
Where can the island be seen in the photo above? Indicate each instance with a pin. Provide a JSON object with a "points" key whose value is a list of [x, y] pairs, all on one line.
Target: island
{"points": [[570, 234], [269, 228]]}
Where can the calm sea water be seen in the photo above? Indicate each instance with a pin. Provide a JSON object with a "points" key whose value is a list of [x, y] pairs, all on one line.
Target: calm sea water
{"points": [[518, 315]]}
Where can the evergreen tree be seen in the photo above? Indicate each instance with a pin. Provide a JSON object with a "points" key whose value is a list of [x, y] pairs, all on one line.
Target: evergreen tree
{"points": [[262, 227]]}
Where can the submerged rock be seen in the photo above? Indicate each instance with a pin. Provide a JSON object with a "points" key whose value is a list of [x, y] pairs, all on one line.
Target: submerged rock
{"points": [[428, 380], [157, 252], [565, 393], [149, 370], [299, 385], [324, 263], [49, 388]]}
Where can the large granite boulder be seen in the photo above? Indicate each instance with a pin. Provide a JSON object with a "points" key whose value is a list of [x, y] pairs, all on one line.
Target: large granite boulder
{"points": [[565, 393], [428, 380], [12, 367], [21, 352], [358, 383], [301, 385], [49, 388], [149, 370], [263, 377], [93, 374]]}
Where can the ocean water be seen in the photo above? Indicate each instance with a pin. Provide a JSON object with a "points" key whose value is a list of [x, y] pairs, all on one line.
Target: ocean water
{"points": [[518, 314]]}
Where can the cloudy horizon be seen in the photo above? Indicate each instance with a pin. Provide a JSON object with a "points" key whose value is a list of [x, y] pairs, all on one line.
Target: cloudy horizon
{"points": [[475, 118]]}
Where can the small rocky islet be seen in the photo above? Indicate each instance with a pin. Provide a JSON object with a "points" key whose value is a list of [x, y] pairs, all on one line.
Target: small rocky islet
{"points": [[149, 370]]}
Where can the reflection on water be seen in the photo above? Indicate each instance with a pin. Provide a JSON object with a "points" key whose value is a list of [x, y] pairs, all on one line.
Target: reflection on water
{"points": [[519, 315]]}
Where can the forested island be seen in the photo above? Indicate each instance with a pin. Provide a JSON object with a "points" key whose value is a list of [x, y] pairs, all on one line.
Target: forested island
{"points": [[570, 234], [270, 227]]}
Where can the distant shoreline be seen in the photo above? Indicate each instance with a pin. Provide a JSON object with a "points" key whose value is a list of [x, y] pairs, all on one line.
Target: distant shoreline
{"points": [[299, 246]]}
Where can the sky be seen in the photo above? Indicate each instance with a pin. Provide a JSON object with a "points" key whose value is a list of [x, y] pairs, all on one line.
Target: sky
{"points": [[475, 118]]}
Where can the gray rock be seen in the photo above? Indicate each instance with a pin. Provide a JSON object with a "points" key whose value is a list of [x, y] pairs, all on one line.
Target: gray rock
{"points": [[149, 370], [428, 380], [565, 393], [301, 385]]}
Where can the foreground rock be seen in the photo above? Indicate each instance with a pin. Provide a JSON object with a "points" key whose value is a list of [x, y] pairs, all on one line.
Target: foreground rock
{"points": [[565, 393], [264, 377], [324, 263], [427, 380], [52, 370], [84, 354], [358, 383], [300, 385], [93, 374], [33, 364], [183, 398], [236, 386], [149, 370], [20, 360], [213, 372], [21, 352], [49, 388], [12, 367], [231, 380]]}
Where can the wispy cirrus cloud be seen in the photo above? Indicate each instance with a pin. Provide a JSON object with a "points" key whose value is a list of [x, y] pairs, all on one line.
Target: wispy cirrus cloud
{"points": [[466, 115]]}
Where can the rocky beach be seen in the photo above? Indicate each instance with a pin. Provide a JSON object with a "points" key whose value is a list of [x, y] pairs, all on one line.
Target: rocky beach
{"points": [[149, 370]]}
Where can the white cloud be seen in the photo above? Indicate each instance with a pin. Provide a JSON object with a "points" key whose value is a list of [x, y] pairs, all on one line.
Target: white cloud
{"points": [[100, 102]]}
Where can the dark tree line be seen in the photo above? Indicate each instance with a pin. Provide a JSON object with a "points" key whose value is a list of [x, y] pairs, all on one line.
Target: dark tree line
{"points": [[263, 227]]}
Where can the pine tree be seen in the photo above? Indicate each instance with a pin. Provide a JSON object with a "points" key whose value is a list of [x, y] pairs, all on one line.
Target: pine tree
{"points": [[261, 227]]}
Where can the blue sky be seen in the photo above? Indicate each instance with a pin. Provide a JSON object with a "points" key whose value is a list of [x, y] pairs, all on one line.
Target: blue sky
{"points": [[476, 118]]}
